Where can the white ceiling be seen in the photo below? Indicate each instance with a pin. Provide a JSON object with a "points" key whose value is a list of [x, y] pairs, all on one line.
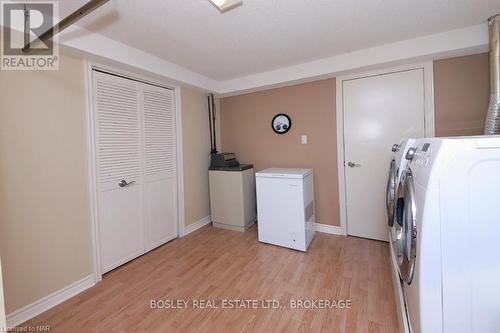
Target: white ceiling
{"points": [[265, 35]]}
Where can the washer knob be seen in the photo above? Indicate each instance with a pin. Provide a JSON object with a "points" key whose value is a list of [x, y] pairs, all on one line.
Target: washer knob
{"points": [[410, 154]]}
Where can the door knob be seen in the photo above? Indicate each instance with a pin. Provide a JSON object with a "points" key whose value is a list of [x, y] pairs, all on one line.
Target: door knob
{"points": [[353, 164], [123, 183]]}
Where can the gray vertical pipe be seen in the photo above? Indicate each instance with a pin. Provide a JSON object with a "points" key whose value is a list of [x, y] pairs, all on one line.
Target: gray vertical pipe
{"points": [[492, 125]]}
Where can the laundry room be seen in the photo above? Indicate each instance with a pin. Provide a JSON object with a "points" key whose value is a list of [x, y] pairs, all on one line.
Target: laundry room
{"points": [[249, 166]]}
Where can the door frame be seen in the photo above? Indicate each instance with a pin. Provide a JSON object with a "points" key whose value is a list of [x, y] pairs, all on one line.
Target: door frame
{"points": [[88, 67], [428, 120]]}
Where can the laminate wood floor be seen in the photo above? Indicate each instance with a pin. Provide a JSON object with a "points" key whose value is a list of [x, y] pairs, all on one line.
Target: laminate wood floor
{"points": [[215, 266]]}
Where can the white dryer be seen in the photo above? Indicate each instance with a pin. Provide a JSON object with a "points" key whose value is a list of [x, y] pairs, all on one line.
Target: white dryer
{"points": [[448, 204]]}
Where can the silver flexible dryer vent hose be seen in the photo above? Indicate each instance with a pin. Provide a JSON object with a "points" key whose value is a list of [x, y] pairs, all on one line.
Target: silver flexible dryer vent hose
{"points": [[492, 125]]}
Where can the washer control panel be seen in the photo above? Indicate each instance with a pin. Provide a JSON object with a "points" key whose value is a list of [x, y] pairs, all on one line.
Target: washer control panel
{"points": [[422, 155]]}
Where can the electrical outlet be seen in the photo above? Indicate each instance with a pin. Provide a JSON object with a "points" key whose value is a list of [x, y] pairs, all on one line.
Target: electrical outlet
{"points": [[303, 139]]}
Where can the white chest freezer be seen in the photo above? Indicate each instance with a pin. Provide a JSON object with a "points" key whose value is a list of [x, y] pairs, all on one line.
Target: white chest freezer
{"points": [[285, 207]]}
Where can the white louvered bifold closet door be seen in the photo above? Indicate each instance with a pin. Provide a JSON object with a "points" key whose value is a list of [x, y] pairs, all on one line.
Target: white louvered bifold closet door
{"points": [[160, 165], [118, 152], [135, 150]]}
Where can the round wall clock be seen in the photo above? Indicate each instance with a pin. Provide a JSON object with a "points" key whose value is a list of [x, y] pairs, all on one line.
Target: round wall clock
{"points": [[281, 123]]}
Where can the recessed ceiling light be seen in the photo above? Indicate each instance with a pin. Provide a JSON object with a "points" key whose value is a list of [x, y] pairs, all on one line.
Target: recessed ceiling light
{"points": [[225, 5]]}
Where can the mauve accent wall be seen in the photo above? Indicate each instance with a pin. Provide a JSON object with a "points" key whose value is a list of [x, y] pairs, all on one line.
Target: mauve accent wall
{"points": [[461, 95], [461, 99], [246, 130]]}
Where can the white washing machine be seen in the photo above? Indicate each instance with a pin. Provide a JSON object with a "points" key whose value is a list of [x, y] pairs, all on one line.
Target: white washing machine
{"points": [[397, 165], [285, 207], [448, 204]]}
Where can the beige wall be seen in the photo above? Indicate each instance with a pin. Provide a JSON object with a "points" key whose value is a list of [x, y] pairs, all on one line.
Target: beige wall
{"points": [[44, 205], [45, 241], [461, 95], [196, 150], [246, 130]]}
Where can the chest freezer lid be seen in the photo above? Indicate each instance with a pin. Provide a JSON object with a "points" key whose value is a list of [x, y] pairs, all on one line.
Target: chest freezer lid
{"points": [[284, 173]]}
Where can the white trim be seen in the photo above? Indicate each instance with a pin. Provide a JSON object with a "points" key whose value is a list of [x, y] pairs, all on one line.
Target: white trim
{"points": [[91, 154], [180, 163], [34, 309], [197, 225], [459, 42], [429, 99], [164, 83], [116, 54], [3, 322], [80, 42], [428, 116], [340, 154], [329, 229], [91, 171]]}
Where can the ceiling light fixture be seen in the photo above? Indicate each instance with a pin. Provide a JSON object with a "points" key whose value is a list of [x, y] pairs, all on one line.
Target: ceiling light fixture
{"points": [[225, 5]]}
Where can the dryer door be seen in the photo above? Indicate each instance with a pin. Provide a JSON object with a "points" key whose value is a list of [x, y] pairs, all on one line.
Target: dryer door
{"points": [[407, 245], [391, 193]]}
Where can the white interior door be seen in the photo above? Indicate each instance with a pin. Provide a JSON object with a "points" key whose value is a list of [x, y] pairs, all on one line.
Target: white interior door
{"points": [[118, 155], [160, 167], [378, 111]]}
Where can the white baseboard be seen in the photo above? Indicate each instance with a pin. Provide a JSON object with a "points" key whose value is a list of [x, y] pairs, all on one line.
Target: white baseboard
{"points": [[329, 229], [197, 225], [34, 309]]}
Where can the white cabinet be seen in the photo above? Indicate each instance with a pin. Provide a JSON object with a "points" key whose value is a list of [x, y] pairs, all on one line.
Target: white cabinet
{"points": [[285, 207], [136, 167], [232, 199]]}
